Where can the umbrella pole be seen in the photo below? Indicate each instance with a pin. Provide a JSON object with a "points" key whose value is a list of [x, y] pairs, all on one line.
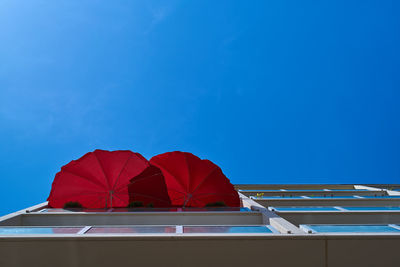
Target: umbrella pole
{"points": [[111, 196]]}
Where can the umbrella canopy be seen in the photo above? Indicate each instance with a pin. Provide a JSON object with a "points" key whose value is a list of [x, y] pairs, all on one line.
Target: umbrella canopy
{"points": [[100, 179], [139, 189], [193, 182]]}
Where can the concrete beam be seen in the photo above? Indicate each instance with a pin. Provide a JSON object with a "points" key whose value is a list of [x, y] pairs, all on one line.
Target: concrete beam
{"points": [[269, 217], [15, 217]]}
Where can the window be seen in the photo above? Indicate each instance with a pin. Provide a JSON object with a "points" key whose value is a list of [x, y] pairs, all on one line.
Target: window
{"points": [[229, 229], [38, 230], [349, 228], [132, 230]]}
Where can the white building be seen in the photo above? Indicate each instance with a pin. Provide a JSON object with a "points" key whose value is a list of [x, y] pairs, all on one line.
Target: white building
{"points": [[278, 225]]}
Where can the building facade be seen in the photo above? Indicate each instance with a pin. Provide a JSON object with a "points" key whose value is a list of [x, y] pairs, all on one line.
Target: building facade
{"points": [[277, 225]]}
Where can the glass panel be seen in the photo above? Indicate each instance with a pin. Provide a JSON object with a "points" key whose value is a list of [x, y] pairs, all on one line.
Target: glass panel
{"points": [[266, 190], [132, 230], [305, 190], [330, 197], [217, 209], [381, 196], [226, 229], [54, 210], [372, 208], [38, 230], [74, 210], [304, 209], [275, 197], [144, 209], [349, 190], [285, 191], [88, 210], [352, 228]]}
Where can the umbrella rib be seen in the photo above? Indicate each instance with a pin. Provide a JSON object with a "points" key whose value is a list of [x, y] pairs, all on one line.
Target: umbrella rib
{"points": [[182, 196], [95, 201], [116, 180], [116, 196], [84, 177], [202, 182], [105, 175], [172, 189], [80, 194], [188, 172], [179, 182], [122, 186], [178, 198], [134, 181]]}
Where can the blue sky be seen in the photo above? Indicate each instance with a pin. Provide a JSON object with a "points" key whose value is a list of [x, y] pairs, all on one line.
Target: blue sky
{"points": [[271, 91]]}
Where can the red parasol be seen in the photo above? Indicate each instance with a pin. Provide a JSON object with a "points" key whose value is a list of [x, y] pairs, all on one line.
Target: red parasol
{"points": [[139, 189], [100, 179], [192, 182]]}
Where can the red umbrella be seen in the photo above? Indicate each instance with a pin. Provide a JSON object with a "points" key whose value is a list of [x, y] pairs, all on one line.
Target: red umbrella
{"points": [[192, 182], [100, 179], [139, 188]]}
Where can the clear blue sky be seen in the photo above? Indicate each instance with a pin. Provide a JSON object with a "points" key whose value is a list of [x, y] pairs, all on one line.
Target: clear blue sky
{"points": [[272, 91]]}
